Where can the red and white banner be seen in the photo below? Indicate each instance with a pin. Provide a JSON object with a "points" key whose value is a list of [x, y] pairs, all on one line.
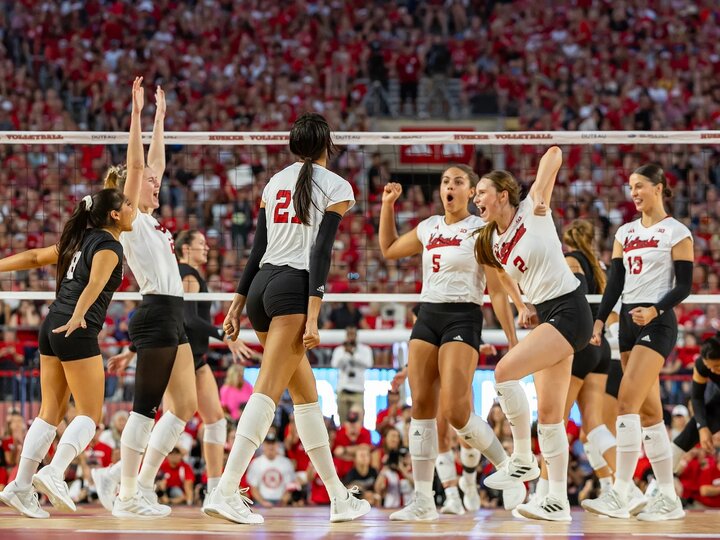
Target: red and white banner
{"points": [[423, 153], [342, 138]]}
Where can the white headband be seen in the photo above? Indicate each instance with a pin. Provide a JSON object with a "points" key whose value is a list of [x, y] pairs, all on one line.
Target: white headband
{"points": [[88, 202]]}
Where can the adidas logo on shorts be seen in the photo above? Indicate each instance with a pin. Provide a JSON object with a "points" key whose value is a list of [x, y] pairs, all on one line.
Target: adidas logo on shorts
{"points": [[458, 338], [645, 338]]}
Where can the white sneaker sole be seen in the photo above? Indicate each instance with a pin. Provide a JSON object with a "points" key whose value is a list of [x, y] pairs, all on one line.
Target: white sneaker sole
{"points": [[637, 505], [501, 484], [131, 515], [615, 515], [430, 517], [675, 514], [221, 514], [46, 488], [13, 502], [350, 516]]}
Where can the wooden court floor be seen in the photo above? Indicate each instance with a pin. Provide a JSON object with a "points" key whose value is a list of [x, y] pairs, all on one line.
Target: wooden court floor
{"points": [[188, 523]]}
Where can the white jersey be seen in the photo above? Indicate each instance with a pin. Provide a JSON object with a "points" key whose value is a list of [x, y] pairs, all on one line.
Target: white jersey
{"points": [[531, 253], [289, 241], [450, 272], [150, 253], [647, 257]]}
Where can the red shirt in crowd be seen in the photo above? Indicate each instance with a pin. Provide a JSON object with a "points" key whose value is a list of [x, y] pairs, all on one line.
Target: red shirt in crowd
{"points": [[176, 476]]}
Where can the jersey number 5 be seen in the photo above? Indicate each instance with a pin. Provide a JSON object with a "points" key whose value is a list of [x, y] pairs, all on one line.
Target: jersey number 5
{"points": [[436, 262], [281, 215], [73, 263], [635, 264]]}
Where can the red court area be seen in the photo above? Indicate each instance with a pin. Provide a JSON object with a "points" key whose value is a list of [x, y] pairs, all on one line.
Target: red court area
{"points": [[188, 523]]}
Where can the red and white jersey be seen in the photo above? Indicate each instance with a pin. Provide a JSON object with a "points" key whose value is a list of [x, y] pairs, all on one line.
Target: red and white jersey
{"points": [[289, 241], [450, 272], [647, 257], [531, 253], [150, 252]]}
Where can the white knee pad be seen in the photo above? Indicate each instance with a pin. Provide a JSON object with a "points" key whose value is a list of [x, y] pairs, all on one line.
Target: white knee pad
{"points": [[137, 432], [38, 440], [256, 419], [79, 433], [553, 439], [445, 466], [602, 439], [512, 399], [657, 443], [470, 457], [310, 425], [166, 433], [216, 433], [629, 438], [477, 433], [595, 458], [423, 439]]}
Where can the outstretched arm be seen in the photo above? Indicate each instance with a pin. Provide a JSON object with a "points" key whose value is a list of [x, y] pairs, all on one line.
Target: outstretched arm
{"points": [[34, 258], [156, 154], [135, 158], [542, 188]]}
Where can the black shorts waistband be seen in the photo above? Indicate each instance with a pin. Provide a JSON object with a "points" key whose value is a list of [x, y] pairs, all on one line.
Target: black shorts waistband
{"points": [[565, 296], [450, 307], [162, 300]]}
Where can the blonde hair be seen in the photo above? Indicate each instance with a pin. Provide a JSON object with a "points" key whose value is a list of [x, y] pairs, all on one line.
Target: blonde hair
{"points": [[115, 177], [234, 376], [580, 235], [503, 181]]}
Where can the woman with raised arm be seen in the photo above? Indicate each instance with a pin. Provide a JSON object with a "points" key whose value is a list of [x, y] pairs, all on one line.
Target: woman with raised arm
{"points": [[89, 270], [651, 269], [521, 242], [165, 360], [283, 284], [445, 338]]}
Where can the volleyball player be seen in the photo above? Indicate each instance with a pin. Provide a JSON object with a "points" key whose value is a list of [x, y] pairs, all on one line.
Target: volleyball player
{"points": [[165, 359], [445, 338], [706, 411], [521, 241], [283, 285], [590, 365], [652, 269], [191, 250], [89, 270]]}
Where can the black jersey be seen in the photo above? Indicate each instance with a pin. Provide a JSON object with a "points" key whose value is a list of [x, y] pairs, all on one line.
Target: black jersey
{"points": [[592, 284], [703, 370], [198, 325], [78, 275]]}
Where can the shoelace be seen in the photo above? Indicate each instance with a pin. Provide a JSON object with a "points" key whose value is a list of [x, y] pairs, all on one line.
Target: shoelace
{"points": [[247, 501], [611, 499], [659, 504], [354, 490], [32, 500]]}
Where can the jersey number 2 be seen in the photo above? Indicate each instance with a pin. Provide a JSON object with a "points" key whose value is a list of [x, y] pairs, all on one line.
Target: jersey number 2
{"points": [[635, 264], [73, 263], [281, 215], [520, 264]]}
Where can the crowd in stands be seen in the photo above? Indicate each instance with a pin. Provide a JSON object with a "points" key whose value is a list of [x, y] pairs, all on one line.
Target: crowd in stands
{"points": [[250, 65]]}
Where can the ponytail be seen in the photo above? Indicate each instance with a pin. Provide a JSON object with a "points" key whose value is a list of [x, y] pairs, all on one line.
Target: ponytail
{"points": [[483, 246], [580, 235], [115, 177], [93, 211], [302, 197], [71, 239]]}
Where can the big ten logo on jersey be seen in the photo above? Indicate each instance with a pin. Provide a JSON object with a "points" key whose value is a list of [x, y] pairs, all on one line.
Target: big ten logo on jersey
{"points": [[503, 251], [168, 236], [282, 202], [73, 263]]}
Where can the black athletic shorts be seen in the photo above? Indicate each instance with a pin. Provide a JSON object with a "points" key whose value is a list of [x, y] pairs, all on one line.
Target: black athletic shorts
{"points": [[571, 315], [615, 375], [690, 436], [158, 322], [276, 291], [82, 343], [438, 324], [592, 359], [199, 360], [660, 335]]}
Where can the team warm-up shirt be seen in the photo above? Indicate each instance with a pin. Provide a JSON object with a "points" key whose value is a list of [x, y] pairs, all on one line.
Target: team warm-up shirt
{"points": [[150, 253], [647, 257], [450, 272], [78, 275], [289, 242], [531, 253]]}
